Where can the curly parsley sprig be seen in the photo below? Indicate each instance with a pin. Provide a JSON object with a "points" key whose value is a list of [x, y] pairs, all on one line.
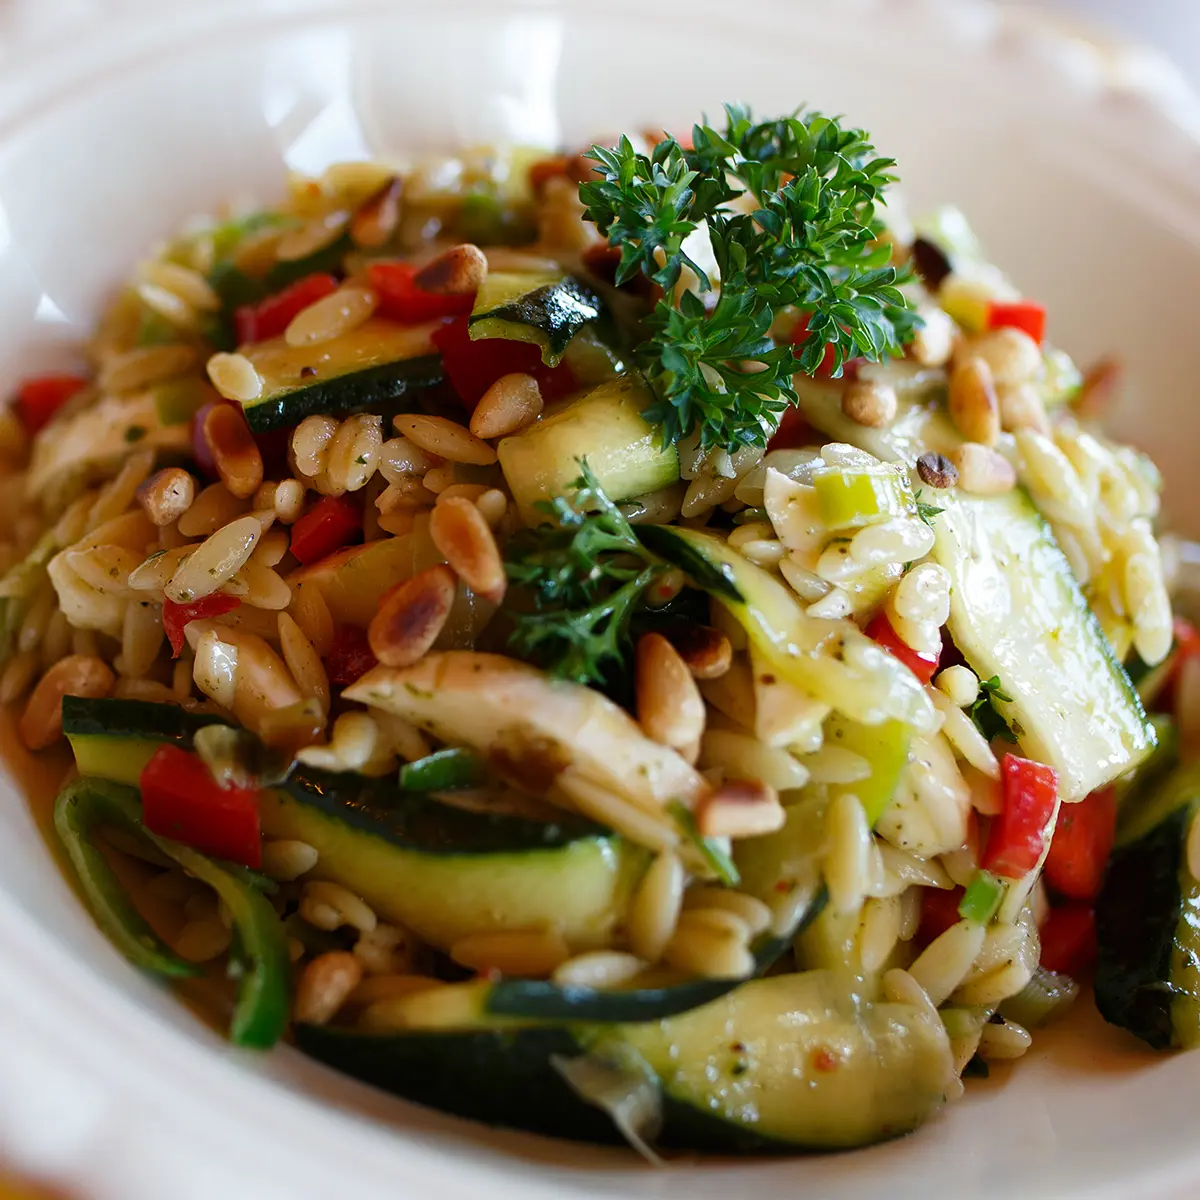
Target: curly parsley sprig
{"points": [[587, 573], [810, 243]]}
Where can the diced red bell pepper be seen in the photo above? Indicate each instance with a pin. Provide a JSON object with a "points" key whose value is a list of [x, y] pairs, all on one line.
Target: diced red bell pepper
{"points": [[793, 432], [400, 299], [182, 801], [939, 910], [799, 336], [1069, 939], [921, 665], [1082, 842], [270, 317], [40, 398], [331, 523], [175, 617], [1025, 315], [350, 657], [1187, 645], [1019, 832], [473, 366]]}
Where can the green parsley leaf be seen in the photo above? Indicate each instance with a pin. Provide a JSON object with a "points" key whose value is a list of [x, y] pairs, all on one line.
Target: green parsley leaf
{"points": [[809, 245], [585, 573], [926, 511], [987, 720]]}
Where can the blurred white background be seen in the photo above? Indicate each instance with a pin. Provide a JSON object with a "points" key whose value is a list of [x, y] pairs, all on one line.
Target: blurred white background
{"points": [[1171, 26]]}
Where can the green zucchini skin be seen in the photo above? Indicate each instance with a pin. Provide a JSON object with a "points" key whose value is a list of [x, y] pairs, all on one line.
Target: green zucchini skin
{"points": [[385, 387], [549, 316], [414, 820], [329, 260], [133, 719], [1146, 918]]}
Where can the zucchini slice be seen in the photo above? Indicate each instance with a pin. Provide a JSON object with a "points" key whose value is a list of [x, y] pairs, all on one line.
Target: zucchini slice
{"points": [[830, 660], [1017, 612], [606, 427], [545, 308], [1148, 928], [377, 364], [780, 1063]]}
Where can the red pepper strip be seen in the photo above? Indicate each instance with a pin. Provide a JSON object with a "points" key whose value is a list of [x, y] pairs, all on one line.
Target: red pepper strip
{"points": [[1083, 840], [400, 299], [1019, 832], [40, 398], [473, 366], [793, 432], [350, 656], [1187, 645], [1025, 315], [182, 801], [270, 317], [799, 335], [922, 666], [939, 910], [331, 523], [175, 617], [1069, 939]]}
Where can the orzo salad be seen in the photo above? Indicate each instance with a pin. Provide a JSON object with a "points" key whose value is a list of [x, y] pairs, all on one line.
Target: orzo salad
{"points": [[634, 644]]}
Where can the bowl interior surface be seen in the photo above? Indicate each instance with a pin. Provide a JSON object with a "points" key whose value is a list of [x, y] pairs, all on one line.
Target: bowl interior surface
{"points": [[114, 133]]}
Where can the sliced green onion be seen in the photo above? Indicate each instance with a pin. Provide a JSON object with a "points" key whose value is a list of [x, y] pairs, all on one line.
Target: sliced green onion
{"points": [[982, 897]]}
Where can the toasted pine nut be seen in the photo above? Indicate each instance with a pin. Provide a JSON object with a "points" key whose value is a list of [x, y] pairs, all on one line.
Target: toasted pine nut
{"points": [[455, 272], [870, 404], [706, 651], [234, 450], [1022, 408], [167, 495], [933, 342], [411, 616], [937, 471], [75, 675], [974, 408], [289, 500], [375, 221], [235, 377], [1013, 356], [325, 985], [982, 471], [741, 808], [510, 404], [460, 532], [669, 707], [1101, 385]]}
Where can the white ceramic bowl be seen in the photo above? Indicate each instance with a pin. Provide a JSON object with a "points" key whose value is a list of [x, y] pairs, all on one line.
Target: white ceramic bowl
{"points": [[119, 119]]}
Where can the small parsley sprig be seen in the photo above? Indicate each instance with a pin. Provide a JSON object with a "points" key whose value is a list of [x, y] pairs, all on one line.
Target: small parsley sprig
{"points": [[809, 242], [587, 573], [987, 720], [926, 511]]}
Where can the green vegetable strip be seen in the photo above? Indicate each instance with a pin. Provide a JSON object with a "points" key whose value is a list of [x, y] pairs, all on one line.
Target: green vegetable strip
{"points": [[982, 898], [261, 1013], [442, 770], [80, 809], [711, 850]]}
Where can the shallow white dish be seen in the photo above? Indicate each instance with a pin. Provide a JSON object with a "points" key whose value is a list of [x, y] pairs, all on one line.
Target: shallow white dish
{"points": [[117, 120]]}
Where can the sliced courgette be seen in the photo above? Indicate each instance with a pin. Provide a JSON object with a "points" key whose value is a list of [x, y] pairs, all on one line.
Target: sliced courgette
{"points": [[790, 1061], [115, 739], [1016, 612], [606, 427], [831, 661], [545, 308], [446, 872], [377, 365], [1148, 929]]}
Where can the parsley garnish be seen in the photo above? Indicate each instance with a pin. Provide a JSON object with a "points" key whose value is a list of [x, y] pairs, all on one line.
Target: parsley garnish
{"points": [[587, 573], [811, 244], [926, 511], [987, 720]]}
